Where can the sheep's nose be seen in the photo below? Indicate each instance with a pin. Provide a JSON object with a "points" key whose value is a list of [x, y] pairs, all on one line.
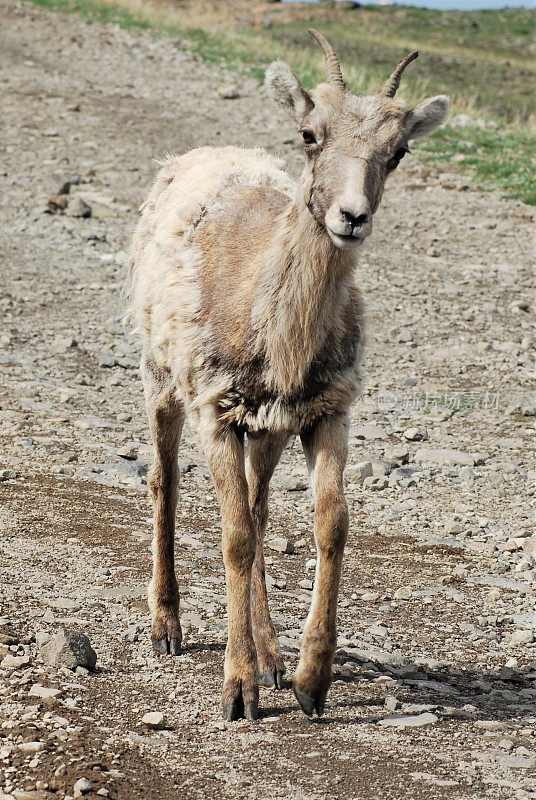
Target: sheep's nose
{"points": [[355, 221]]}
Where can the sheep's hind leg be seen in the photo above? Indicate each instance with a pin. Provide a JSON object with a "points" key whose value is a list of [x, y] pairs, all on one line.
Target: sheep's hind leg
{"points": [[166, 419], [325, 449], [264, 454]]}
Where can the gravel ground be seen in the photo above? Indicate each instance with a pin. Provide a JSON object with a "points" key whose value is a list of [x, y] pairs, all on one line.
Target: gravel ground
{"points": [[434, 692]]}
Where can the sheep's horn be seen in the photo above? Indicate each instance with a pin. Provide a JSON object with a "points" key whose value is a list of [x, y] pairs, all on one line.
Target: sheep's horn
{"points": [[333, 68], [393, 81]]}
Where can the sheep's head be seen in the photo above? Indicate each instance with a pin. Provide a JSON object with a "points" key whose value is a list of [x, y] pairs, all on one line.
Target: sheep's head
{"points": [[352, 143]]}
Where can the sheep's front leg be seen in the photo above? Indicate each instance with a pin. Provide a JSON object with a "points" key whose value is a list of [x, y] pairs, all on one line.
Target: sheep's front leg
{"points": [[264, 454], [326, 450], [224, 450], [166, 420]]}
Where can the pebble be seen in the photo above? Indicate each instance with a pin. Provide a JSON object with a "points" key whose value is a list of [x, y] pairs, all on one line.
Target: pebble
{"points": [[57, 202], [410, 721], [280, 545], [403, 593], [358, 472], [81, 787], [153, 719], [11, 662], [78, 208], [416, 434], [444, 456], [37, 690], [522, 637], [228, 91], [368, 431], [391, 703], [31, 747]]}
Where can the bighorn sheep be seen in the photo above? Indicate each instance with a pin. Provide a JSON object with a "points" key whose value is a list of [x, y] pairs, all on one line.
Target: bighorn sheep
{"points": [[242, 284]]}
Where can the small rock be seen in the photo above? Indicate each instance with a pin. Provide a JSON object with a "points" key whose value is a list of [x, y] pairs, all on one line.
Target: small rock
{"points": [[69, 648], [11, 662], [400, 455], [57, 202], [106, 359], [78, 208], [128, 452], [8, 474], [81, 787], [281, 545], [506, 744], [444, 456], [377, 631], [31, 747], [391, 703], [489, 724], [62, 344], [292, 483], [229, 91], [153, 719], [522, 637], [529, 547], [305, 584], [410, 721], [404, 593], [416, 434], [358, 472], [369, 431], [43, 691]]}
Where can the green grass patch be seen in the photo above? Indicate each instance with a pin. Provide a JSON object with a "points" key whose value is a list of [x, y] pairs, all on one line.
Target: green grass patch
{"points": [[484, 60], [505, 158]]}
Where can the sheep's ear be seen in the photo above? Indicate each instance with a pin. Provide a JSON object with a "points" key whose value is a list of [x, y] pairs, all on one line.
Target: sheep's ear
{"points": [[287, 92], [426, 117]]}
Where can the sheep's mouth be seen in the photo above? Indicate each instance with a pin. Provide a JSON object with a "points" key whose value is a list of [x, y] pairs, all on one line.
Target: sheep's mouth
{"points": [[344, 239]]}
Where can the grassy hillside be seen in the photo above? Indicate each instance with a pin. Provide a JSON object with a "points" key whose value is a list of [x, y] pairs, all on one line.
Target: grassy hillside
{"points": [[485, 61]]}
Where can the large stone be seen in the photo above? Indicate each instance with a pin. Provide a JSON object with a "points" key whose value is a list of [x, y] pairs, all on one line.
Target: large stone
{"points": [[69, 648]]}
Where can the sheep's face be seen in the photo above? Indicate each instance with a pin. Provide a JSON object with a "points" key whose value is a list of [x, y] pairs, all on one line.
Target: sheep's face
{"points": [[351, 144]]}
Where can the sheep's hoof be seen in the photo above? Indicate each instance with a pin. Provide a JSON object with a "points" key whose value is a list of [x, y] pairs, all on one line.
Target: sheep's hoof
{"points": [[271, 679], [310, 704], [240, 699], [167, 646], [235, 710]]}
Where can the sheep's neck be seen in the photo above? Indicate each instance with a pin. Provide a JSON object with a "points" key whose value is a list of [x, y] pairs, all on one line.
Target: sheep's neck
{"points": [[304, 280]]}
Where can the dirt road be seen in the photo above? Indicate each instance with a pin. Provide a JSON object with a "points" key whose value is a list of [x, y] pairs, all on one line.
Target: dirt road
{"points": [[434, 692]]}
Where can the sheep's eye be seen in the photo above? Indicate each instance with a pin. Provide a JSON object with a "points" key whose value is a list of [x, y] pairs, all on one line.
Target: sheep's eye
{"points": [[308, 137]]}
